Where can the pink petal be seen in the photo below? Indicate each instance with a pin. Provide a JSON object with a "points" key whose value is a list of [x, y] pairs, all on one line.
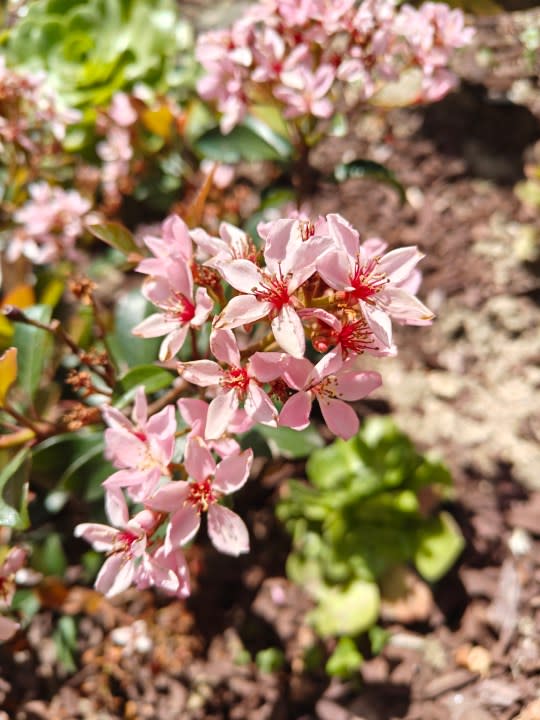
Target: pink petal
{"points": [[170, 497], [267, 366], [116, 508], [193, 411], [289, 331], [198, 459], [140, 407], [155, 325], [243, 275], [162, 423], [242, 310], [259, 406], [334, 268], [354, 385], [343, 234], [305, 260], [115, 418], [282, 241], [296, 411], [406, 309], [173, 342], [8, 628], [224, 346], [201, 372], [399, 264], [115, 575], [379, 324], [339, 417], [181, 279], [233, 472], [123, 448], [101, 537], [220, 413], [227, 531], [203, 307], [183, 527], [297, 372]]}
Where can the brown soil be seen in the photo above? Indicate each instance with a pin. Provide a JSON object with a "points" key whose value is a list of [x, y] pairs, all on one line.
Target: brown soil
{"points": [[468, 388]]}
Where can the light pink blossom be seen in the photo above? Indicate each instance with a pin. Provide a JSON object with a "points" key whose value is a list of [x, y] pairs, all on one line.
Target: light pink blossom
{"points": [[270, 291], [235, 385], [331, 382], [195, 413], [142, 449], [188, 500], [376, 283], [173, 295]]}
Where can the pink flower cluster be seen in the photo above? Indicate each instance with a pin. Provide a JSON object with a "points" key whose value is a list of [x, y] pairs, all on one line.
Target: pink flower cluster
{"points": [[308, 56], [48, 224], [313, 289]]}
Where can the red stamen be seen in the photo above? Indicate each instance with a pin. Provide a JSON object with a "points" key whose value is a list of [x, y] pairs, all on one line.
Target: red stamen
{"points": [[201, 495]]}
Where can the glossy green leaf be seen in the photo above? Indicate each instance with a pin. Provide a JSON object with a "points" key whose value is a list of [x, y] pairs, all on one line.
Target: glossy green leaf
{"points": [[370, 170], [49, 557], [243, 143], [14, 491], [34, 348], [440, 545], [115, 235], [291, 444], [270, 660], [151, 377], [130, 351], [346, 610]]}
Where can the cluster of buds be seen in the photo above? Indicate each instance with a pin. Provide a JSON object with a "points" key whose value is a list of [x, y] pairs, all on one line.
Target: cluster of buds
{"points": [[313, 289], [308, 57]]}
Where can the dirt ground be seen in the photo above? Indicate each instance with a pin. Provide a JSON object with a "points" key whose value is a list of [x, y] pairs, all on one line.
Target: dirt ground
{"points": [[467, 648]]}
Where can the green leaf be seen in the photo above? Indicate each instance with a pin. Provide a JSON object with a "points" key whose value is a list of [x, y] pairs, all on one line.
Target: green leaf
{"points": [[14, 491], [48, 557], [85, 475], [243, 143], [115, 235], [152, 378], [440, 544], [346, 610], [130, 351], [52, 456], [270, 660], [65, 641], [291, 444], [34, 348], [346, 660], [370, 170]]}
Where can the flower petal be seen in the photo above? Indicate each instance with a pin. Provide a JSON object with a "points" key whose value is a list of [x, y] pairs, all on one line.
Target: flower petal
{"points": [[224, 346], [259, 406], [339, 417], [233, 472], [220, 413], [289, 331], [243, 275], [242, 310], [115, 575], [354, 385], [198, 459], [227, 531], [183, 528], [296, 411], [200, 372]]}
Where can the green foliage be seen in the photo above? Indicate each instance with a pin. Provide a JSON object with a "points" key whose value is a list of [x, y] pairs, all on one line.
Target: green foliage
{"points": [[90, 49], [346, 660], [14, 489], [34, 348], [270, 660], [360, 517], [370, 170], [252, 141]]}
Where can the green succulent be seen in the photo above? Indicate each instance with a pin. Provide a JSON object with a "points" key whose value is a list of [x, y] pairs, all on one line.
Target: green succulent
{"points": [[91, 49], [360, 517]]}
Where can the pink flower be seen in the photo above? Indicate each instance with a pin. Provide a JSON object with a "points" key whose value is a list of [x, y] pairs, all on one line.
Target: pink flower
{"points": [[195, 414], [121, 111], [187, 500], [377, 284], [232, 244], [330, 382], [142, 449], [305, 92], [173, 294], [290, 261], [237, 384], [174, 246], [125, 543]]}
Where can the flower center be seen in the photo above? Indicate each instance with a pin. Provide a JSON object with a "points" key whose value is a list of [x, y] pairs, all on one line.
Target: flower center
{"points": [[327, 387], [355, 337], [273, 290], [366, 281], [236, 378], [124, 542], [201, 495], [181, 308]]}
